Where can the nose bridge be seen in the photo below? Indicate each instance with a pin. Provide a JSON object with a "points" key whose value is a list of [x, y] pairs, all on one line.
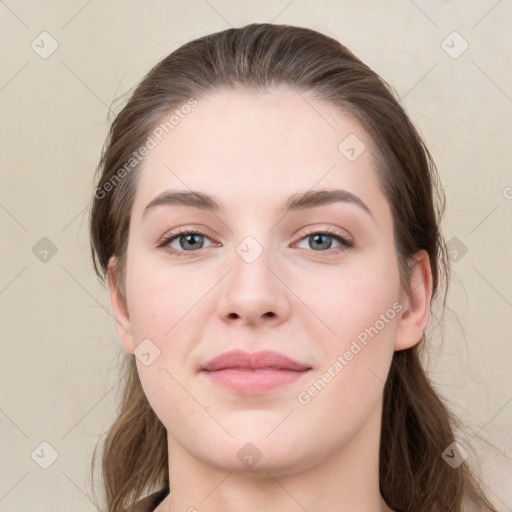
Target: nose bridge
{"points": [[252, 291], [251, 275], [250, 249]]}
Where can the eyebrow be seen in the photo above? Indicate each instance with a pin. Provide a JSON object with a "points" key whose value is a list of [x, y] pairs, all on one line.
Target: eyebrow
{"points": [[298, 201]]}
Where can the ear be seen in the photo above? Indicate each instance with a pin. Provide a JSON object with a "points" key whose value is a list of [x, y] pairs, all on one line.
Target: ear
{"points": [[416, 304], [119, 309]]}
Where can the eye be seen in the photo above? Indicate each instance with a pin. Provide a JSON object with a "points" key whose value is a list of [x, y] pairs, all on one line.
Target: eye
{"points": [[321, 241], [185, 241], [182, 242]]}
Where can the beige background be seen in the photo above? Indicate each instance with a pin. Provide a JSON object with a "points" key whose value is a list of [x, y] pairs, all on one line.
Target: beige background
{"points": [[59, 347]]}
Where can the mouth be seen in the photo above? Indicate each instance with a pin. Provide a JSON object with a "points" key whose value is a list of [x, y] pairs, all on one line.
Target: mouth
{"points": [[253, 374], [253, 382]]}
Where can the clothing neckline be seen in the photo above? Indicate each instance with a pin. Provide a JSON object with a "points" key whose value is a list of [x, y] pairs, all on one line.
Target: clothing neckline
{"points": [[149, 503]]}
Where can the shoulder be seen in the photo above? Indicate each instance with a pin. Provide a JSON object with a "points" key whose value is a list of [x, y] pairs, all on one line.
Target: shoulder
{"points": [[149, 503]]}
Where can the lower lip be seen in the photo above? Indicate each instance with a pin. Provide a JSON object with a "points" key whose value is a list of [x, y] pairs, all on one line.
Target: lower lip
{"points": [[253, 382]]}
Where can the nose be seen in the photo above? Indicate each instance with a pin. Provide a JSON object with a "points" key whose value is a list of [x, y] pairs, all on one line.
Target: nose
{"points": [[253, 292]]}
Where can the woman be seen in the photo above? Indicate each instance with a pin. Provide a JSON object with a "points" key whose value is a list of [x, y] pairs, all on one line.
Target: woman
{"points": [[268, 220]]}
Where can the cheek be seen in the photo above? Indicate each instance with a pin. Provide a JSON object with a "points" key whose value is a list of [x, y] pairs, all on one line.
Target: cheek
{"points": [[164, 309], [351, 298], [163, 312], [366, 312], [356, 360], [359, 310], [159, 300]]}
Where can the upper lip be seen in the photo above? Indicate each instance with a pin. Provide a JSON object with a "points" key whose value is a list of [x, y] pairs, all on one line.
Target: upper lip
{"points": [[253, 361]]}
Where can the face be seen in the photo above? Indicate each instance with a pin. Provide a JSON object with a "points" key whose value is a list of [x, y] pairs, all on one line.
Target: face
{"points": [[317, 282]]}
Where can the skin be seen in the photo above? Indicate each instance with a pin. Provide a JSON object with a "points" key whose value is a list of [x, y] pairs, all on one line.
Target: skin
{"points": [[251, 151]]}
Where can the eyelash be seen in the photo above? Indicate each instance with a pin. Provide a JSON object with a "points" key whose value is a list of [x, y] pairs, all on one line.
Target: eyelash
{"points": [[346, 244]]}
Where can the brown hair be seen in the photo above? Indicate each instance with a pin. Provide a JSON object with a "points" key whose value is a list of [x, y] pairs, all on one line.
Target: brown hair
{"points": [[416, 426]]}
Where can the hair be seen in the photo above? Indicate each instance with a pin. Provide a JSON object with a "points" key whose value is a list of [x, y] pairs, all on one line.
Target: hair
{"points": [[416, 425]]}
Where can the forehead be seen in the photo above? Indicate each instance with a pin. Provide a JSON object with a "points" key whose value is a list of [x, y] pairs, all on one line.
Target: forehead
{"points": [[259, 145]]}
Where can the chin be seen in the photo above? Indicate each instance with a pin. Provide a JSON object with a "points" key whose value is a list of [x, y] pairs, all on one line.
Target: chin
{"points": [[253, 452]]}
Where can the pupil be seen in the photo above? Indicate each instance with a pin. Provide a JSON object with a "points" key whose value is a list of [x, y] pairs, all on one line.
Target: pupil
{"points": [[191, 239], [318, 239]]}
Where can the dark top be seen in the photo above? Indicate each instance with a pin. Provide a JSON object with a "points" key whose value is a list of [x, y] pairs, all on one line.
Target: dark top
{"points": [[149, 503]]}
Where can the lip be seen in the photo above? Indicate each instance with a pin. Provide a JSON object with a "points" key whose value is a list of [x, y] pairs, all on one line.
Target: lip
{"points": [[255, 373], [265, 359]]}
